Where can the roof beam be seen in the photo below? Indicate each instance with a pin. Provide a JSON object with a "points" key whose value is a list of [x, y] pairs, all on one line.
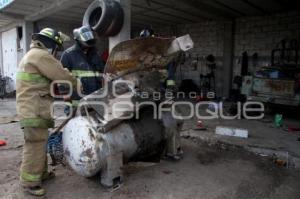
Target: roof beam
{"points": [[201, 6], [10, 16], [56, 6], [149, 19], [229, 8], [164, 13], [256, 7], [147, 23], [71, 22], [177, 9]]}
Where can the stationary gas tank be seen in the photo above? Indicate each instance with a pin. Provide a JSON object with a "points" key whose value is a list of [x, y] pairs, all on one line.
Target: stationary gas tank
{"points": [[87, 149]]}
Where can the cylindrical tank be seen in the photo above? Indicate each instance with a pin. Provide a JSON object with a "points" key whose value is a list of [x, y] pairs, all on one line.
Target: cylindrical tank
{"points": [[86, 149]]}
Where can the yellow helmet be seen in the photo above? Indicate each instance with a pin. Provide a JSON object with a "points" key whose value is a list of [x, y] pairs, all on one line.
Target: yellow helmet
{"points": [[58, 37]]}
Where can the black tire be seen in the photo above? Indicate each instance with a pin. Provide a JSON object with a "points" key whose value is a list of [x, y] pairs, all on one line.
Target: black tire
{"points": [[105, 17], [98, 16], [117, 21]]}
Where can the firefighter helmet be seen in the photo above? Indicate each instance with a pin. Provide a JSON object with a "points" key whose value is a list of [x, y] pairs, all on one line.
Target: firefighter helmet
{"points": [[84, 35]]}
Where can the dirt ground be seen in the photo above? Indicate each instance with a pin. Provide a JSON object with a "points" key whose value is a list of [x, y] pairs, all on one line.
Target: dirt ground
{"points": [[206, 171]]}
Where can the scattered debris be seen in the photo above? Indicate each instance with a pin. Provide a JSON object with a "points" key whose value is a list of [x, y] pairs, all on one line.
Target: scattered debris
{"points": [[293, 129], [235, 132], [2, 143], [281, 163], [167, 172], [200, 126], [133, 167]]}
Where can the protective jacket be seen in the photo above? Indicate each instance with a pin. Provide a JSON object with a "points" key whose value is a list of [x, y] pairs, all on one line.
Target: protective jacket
{"points": [[88, 67], [36, 71]]}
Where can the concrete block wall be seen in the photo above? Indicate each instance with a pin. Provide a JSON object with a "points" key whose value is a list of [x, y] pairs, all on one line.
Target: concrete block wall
{"points": [[261, 34], [252, 34], [208, 39]]}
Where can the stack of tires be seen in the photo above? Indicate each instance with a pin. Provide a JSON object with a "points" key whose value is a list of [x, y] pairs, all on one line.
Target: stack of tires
{"points": [[105, 17]]}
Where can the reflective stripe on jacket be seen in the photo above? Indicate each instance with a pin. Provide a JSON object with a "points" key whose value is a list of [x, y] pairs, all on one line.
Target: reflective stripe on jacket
{"points": [[36, 71], [88, 67]]}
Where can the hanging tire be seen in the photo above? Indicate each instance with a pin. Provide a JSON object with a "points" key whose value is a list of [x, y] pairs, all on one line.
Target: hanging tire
{"points": [[117, 21], [105, 17]]}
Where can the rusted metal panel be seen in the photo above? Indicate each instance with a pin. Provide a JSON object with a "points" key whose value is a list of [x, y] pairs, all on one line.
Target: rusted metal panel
{"points": [[274, 87], [139, 54]]}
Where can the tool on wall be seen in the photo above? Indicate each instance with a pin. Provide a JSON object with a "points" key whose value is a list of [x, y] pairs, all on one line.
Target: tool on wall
{"points": [[195, 63], [207, 80], [245, 64], [181, 61]]}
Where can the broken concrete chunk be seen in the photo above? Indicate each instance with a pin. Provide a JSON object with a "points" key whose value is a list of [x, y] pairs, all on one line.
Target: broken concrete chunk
{"points": [[235, 132]]}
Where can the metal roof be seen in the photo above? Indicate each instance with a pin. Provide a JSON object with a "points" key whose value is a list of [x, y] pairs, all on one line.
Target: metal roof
{"points": [[146, 12]]}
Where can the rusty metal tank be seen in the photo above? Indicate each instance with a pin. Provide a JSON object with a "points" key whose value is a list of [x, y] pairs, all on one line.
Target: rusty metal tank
{"points": [[97, 140], [87, 149]]}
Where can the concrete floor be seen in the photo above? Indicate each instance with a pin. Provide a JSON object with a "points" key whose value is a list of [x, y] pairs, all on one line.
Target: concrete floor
{"points": [[264, 137], [208, 170]]}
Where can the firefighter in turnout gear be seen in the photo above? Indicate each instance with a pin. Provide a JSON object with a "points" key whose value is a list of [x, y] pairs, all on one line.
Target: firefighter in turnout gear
{"points": [[36, 71], [84, 62]]}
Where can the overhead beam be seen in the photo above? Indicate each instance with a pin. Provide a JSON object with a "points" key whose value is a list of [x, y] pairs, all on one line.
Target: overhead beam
{"points": [[163, 13], [152, 18], [10, 25], [176, 8], [201, 6], [70, 21], [10, 16], [138, 26], [147, 22], [229, 8], [48, 10], [256, 7]]}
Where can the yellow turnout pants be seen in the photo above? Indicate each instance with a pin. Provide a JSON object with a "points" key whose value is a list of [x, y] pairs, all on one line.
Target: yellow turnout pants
{"points": [[34, 162]]}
